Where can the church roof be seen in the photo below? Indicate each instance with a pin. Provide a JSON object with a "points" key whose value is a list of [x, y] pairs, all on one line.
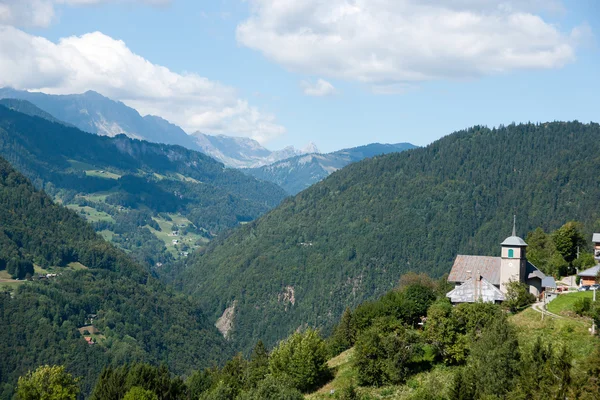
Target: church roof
{"points": [[476, 290], [466, 267], [513, 241]]}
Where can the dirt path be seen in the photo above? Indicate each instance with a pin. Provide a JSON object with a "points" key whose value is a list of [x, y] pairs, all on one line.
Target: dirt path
{"points": [[539, 307]]}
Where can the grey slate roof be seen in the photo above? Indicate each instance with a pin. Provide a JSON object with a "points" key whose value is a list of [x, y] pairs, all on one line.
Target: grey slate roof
{"points": [[590, 272], [532, 272], [513, 241], [466, 267], [548, 282], [487, 267], [596, 238], [475, 290]]}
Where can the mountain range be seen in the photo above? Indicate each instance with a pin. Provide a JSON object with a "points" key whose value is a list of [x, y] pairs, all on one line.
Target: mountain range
{"points": [[94, 113], [155, 200], [298, 173], [239, 152], [350, 237]]}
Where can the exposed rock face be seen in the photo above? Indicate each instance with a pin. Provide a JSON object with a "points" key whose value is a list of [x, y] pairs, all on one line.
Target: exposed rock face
{"points": [[225, 323], [287, 297]]}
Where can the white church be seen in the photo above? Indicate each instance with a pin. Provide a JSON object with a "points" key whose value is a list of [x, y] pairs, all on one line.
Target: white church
{"points": [[481, 278]]}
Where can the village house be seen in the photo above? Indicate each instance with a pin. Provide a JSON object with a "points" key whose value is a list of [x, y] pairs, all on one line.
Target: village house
{"points": [[588, 277], [596, 241], [483, 278]]}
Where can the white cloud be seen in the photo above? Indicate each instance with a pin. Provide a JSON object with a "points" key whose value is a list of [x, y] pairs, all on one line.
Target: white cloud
{"points": [[319, 88], [391, 42], [41, 13], [98, 62]]}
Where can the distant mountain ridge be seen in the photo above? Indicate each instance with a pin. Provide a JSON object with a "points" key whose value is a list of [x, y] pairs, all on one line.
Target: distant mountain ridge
{"points": [[95, 113], [240, 152], [298, 173]]}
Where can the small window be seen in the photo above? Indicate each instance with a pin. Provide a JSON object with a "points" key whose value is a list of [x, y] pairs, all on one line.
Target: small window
{"points": [[511, 253]]}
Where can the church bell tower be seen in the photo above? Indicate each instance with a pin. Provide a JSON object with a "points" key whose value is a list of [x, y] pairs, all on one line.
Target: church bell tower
{"points": [[513, 261]]}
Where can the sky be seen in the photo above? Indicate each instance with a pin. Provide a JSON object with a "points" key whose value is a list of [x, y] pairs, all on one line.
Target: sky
{"points": [[339, 73]]}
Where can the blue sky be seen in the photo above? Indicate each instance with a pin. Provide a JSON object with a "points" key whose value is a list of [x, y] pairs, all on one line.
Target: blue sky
{"points": [[390, 71]]}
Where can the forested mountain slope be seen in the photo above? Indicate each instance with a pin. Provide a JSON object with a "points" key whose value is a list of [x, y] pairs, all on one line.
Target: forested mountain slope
{"points": [[350, 237], [136, 317], [92, 112], [123, 184], [297, 173]]}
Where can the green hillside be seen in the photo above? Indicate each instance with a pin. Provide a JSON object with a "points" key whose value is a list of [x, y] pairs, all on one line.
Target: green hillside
{"points": [[90, 284], [350, 237], [133, 189]]}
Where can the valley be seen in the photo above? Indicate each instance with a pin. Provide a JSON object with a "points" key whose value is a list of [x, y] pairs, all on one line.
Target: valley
{"points": [[299, 200]]}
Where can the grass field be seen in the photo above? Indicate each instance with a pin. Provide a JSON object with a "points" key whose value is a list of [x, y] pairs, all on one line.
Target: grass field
{"points": [[76, 266], [570, 332], [90, 214], [91, 170], [10, 285], [102, 174], [97, 197], [107, 235], [563, 304], [189, 239]]}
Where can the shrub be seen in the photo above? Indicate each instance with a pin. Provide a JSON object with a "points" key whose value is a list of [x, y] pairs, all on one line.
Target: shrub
{"points": [[582, 306], [302, 358], [386, 358]]}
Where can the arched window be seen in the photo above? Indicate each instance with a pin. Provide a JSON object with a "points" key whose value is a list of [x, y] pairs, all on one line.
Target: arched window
{"points": [[511, 253]]}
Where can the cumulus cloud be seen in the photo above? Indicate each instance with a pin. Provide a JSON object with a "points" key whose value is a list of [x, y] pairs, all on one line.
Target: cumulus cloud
{"points": [[40, 13], [98, 62], [319, 88], [394, 42]]}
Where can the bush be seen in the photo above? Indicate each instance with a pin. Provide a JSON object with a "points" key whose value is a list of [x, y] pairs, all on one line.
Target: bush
{"points": [[386, 358], [272, 388], [582, 306], [517, 296], [303, 359]]}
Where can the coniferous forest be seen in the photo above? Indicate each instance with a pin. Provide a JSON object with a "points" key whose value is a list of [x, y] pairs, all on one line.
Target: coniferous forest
{"points": [[350, 237], [137, 318]]}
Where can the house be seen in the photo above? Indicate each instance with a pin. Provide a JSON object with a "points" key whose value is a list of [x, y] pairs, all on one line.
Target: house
{"points": [[588, 277], [596, 240], [89, 340], [482, 278]]}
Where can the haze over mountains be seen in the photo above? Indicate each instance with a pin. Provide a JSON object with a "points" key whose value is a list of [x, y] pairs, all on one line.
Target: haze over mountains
{"points": [[94, 113], [298, 173], [241, 152]]}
